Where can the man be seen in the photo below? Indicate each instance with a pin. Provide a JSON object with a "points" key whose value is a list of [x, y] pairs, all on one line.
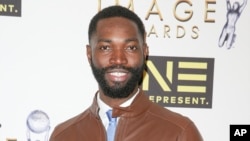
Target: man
{"points": [[117, 52]]}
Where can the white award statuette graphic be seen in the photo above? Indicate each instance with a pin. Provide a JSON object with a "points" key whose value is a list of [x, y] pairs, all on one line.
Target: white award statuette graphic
{"points": [[38, 126], [233, 14]]}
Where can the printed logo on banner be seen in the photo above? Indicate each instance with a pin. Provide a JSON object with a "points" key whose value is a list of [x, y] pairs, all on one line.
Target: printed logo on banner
{"points": [[10, 8], [179, 81], [11, 139], [228, 34], [38, 126]]}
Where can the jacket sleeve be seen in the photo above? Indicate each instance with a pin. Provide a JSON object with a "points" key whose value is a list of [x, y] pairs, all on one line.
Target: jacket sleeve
{"points": [[52, 136], [190, 133]]}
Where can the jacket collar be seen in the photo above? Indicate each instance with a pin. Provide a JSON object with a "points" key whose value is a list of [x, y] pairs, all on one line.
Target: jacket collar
{"points": [[138, 106]]}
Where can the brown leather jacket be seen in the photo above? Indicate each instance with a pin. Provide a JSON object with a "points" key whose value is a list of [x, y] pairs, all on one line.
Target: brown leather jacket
{"points": [[142, 121]]}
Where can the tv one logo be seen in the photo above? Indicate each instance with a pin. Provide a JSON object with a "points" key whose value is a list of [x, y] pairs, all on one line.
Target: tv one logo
{"points": [[179, 81]]}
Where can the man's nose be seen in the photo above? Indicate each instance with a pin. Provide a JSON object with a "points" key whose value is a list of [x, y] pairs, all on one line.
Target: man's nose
{"points": [[118, 57]]}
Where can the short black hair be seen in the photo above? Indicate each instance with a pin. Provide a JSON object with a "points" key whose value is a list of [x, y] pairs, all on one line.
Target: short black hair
{"points": [[115, 11]]}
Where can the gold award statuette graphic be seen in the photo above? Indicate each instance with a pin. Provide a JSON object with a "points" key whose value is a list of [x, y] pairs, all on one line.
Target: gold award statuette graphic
{"points": [[38, 126]]}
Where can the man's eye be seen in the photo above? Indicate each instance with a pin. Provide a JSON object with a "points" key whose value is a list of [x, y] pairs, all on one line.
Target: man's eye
{"points": [[104, 47], [131, 48]]}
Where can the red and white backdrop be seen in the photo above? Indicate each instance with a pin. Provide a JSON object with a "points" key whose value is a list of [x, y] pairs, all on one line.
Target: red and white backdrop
{"points": [[193, 68]]}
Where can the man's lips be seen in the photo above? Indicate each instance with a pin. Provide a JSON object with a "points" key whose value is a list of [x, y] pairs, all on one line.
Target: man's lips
{"points": [[117, 75]]}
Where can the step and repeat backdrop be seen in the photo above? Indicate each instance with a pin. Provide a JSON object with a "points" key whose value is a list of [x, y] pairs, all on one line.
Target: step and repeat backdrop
{"points": [[198, 64]]}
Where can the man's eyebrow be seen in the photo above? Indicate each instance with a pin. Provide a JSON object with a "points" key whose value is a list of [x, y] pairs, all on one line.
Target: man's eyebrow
{"points": [[126, 40], [104, 40], [131, 40]]}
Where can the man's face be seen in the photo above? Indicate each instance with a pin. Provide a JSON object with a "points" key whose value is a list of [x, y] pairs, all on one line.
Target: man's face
{"points": [[117, 56]]}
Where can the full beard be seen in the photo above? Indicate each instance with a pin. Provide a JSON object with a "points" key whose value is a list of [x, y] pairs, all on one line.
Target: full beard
{"points": [[118, 90]]}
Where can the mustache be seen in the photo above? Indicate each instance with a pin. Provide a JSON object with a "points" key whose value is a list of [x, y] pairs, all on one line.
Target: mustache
{"points": [[118, 67]]}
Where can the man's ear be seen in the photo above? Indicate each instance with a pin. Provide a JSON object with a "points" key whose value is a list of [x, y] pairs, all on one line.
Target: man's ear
{"points": [[89, 52], [145, 47], [145, 51]]}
